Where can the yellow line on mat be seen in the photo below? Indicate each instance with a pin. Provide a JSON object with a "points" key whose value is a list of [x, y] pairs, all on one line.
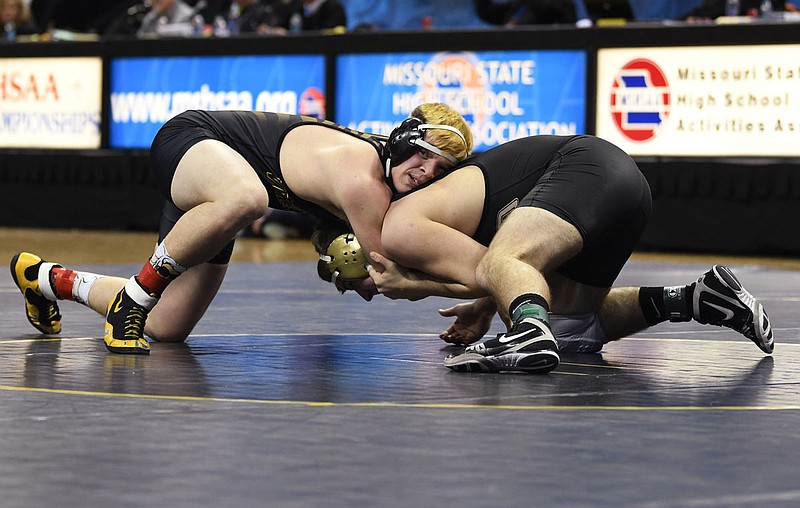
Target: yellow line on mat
{"points": [[422, 405]]}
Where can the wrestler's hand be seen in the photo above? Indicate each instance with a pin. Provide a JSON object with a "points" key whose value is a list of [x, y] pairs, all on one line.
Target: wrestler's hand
{"points": [[473, 320], [392, 280]]}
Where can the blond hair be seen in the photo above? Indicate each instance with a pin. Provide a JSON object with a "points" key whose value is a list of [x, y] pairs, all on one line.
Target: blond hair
{"points": [[441, 114]]}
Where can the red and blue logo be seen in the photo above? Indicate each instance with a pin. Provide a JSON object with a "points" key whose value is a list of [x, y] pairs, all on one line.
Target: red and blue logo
{"points": [[640, 99], [312, 103]]}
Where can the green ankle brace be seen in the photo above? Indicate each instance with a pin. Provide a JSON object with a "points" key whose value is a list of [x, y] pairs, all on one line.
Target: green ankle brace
{"points": [[531, 310]]}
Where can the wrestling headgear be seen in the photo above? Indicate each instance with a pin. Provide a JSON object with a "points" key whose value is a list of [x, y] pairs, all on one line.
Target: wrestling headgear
{"points": [[343, 260], [406, 139]]}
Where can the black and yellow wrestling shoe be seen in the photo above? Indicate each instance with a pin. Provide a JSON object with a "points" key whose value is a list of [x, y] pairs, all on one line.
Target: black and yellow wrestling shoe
{"points": [[125, 319], [42, 312]]}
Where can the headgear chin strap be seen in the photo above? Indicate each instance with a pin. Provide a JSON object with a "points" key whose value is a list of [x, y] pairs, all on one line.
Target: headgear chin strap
{"points": [[407, 139]]}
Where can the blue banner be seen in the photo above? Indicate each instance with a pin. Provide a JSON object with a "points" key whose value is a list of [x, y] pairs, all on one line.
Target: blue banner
{"points": [[146, 92], [504, 95]]}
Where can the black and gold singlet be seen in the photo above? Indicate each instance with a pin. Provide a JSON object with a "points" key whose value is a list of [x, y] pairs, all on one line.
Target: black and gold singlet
{"points": [[256, 136]]}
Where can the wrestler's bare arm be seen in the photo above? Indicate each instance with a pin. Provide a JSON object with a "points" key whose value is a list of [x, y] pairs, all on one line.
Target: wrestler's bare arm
{"points": [[364, 204], [342, 174], [444, 265], [429, 231]]}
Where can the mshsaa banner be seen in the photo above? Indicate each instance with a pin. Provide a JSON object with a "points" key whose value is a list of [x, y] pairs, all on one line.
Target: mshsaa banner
{"points": [[50, 102], [504, 95], [146, 92], [711, 101]]}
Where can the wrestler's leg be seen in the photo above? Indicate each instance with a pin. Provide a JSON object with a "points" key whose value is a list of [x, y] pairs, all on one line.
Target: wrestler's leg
{"points": [[531, 243], [717, 298], [42, 283], [627, 310], [184, 303], [529, 246], [220, 193], [621, 313], [180, 307]]}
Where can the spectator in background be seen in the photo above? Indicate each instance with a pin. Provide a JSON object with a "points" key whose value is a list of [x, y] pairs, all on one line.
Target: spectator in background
{"points": [[712, 9], [126, 22], [323, 15], [15, 20], [262, 17], [526, 12], [650, 10], [165, 12], [87, 16]]}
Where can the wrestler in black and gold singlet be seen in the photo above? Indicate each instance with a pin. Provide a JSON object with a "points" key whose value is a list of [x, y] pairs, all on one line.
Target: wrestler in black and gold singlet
{"points": [[256, 136]]}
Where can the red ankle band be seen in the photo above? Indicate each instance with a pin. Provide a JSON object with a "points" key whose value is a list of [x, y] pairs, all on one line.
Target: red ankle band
{"points": [[151, 281], [62, 281]]}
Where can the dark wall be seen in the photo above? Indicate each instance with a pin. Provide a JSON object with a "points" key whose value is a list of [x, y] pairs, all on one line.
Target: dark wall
{"points": [[724, 206], [102, 189]]}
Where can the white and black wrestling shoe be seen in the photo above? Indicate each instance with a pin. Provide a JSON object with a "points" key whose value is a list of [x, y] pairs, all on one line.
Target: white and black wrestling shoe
{"points": [[720, 299], [528, 347]]}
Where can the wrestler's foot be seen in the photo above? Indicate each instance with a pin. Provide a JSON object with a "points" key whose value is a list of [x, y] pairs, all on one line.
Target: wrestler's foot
{"points": [[720, 299], [528, 347], [42, 313], [125, 319]]}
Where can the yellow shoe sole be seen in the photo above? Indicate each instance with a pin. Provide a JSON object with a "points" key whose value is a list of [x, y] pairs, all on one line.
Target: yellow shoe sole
{"points": [[127, 346]]}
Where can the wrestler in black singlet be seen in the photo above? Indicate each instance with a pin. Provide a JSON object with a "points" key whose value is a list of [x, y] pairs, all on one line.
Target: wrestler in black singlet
{"points": [[584, 180], [256, 136]]}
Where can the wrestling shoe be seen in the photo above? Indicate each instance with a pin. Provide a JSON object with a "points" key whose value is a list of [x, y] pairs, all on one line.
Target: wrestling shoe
{"points": [[719, 299], [125, 319], [528, 347], [42, 313]]}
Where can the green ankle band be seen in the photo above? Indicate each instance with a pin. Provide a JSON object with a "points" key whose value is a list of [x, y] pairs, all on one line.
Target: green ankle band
{"points": [[531, 310]]}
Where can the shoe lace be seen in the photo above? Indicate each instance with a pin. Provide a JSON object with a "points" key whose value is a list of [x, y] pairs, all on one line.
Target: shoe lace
{"points": [[51, 313], [41, 310], [134, 323]]}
